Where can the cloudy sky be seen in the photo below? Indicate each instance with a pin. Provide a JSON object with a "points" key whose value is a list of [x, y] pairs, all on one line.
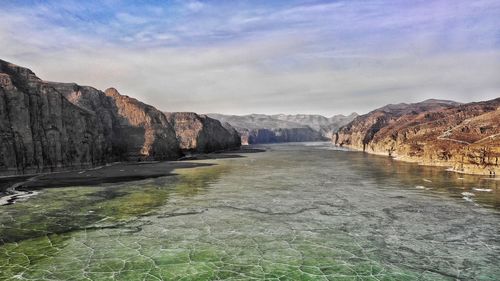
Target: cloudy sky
{"points": [[262, 56]]}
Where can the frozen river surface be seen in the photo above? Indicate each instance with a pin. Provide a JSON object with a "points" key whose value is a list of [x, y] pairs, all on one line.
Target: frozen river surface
{"points": [[295, 212]]}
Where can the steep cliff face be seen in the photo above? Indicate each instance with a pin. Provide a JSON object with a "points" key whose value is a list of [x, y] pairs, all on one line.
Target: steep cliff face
{"points": [[145, 129], [40, 130], [133, 130], [200, 133], [461, 136], [234, 136], [46, 126], [260, 128]]}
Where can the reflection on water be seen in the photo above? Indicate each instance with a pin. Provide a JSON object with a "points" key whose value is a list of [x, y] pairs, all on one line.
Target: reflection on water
{"points": [[193, 182], [295, 212], [436, 181]]}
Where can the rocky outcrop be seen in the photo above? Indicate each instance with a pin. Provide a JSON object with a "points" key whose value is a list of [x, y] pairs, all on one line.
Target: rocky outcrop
{"points": [[47, 126], [464, 137], [201, 134], [260, 128]]}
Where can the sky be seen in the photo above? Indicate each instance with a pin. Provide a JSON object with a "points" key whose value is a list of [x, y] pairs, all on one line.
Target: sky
{"points": [[242, 57]]}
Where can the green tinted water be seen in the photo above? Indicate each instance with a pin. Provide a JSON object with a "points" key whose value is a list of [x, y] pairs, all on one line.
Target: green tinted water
{"points": [[295, 212]]}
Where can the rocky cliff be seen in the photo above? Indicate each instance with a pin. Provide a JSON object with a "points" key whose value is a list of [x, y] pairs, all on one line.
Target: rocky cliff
{"points": [[48, 126], [464, 137], [201, 134], [260, 128], [133, 130], [40, 129]]}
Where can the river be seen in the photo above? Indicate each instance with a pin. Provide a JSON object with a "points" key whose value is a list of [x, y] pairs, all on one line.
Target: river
{"points": [[299, 211]]}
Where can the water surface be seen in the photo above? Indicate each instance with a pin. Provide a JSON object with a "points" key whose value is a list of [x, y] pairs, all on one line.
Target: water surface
{"points": [[295, 212]]}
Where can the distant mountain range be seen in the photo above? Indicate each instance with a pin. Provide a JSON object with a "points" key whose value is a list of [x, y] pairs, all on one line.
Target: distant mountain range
{"points": [[326, 126], [261, 128]]}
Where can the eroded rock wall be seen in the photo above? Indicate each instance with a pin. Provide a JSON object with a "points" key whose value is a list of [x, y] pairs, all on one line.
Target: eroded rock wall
{"points": [[201, 134], [464, 137], [47, 126], [40, 130]]}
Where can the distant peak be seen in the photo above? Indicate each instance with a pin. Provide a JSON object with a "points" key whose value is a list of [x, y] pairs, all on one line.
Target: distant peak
{"points": [[112, 92]]}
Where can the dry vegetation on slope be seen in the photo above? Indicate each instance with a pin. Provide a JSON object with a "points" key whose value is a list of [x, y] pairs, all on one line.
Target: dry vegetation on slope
{"points": [[464, 137]]}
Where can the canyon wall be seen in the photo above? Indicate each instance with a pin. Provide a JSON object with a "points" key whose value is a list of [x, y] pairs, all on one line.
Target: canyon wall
{"points": [[50, 126], [40, 130], [133, 130], [201, 134], [464, 137]]}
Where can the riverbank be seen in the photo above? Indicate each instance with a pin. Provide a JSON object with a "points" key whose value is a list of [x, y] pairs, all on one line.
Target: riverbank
{"points": [[13, 188], [18, 187], [461, 168]]}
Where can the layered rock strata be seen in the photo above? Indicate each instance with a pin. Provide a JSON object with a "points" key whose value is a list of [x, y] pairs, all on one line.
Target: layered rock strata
{"points": [[464, 137]]}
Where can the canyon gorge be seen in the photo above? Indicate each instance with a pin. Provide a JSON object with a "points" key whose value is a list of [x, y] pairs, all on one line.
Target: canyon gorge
{"points": [[48, 126]]}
